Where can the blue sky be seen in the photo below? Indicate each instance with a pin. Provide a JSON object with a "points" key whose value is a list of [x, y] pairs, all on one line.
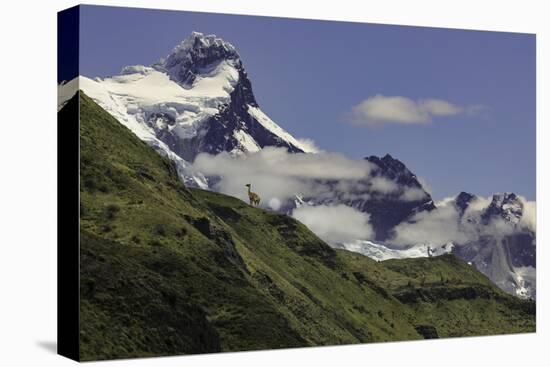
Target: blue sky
{"points": [[308, 76]]}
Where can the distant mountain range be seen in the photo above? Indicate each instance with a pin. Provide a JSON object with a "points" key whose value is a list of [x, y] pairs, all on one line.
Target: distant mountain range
{"points": [[494, 238], [199, 99]]}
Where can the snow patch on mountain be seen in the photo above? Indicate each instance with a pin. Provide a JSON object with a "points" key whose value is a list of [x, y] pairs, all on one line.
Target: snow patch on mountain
{"points": [[382, 252], [246, 143], [131, 110], [65, 91], [270, 125], [526, 281], [133, 98]]}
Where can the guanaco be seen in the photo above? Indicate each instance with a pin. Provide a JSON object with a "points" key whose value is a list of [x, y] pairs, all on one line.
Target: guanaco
{"points": [[252, 196]]}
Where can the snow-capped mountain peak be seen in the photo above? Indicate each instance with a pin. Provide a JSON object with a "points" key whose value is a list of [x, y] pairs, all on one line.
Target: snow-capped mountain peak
{"points": [[504, 205], [198, 45], [198, 99], [196, 55]]}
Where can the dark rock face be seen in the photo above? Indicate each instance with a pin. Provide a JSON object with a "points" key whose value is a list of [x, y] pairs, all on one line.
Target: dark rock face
{"points": [[217, 134], [389, 210], [427, 331], [463, 200], [394, 169], [197, 54], [506, 206], [495, 258], [159, 123], [491, 255], [234, 117], [522, 248]]}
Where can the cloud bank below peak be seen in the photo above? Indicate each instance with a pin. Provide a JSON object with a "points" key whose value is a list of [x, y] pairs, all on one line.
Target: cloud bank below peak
{"points": [[381, 110], [448, 224], [279, 177], [335, 223]]}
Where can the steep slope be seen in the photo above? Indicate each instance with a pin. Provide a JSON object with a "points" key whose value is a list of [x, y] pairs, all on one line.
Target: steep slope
{"points": [[159, 238], [168, 270]]}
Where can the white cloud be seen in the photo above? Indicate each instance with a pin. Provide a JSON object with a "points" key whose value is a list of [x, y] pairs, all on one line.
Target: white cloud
{"points": [[412, 194], [310, 145], [386, 186], [478, 110], [475, 206], [383, 185], [439, 226], [529, 218], [274, 204], [445, 224], [439, 107], [335, 224], [380, 110], [276, 174]]}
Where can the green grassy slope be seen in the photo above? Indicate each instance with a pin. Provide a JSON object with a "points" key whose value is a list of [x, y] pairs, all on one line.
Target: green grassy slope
{"points": [[168, 270]]}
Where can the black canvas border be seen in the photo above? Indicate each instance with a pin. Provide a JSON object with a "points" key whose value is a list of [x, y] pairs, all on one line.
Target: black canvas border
{"points": [[68, 199]]}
